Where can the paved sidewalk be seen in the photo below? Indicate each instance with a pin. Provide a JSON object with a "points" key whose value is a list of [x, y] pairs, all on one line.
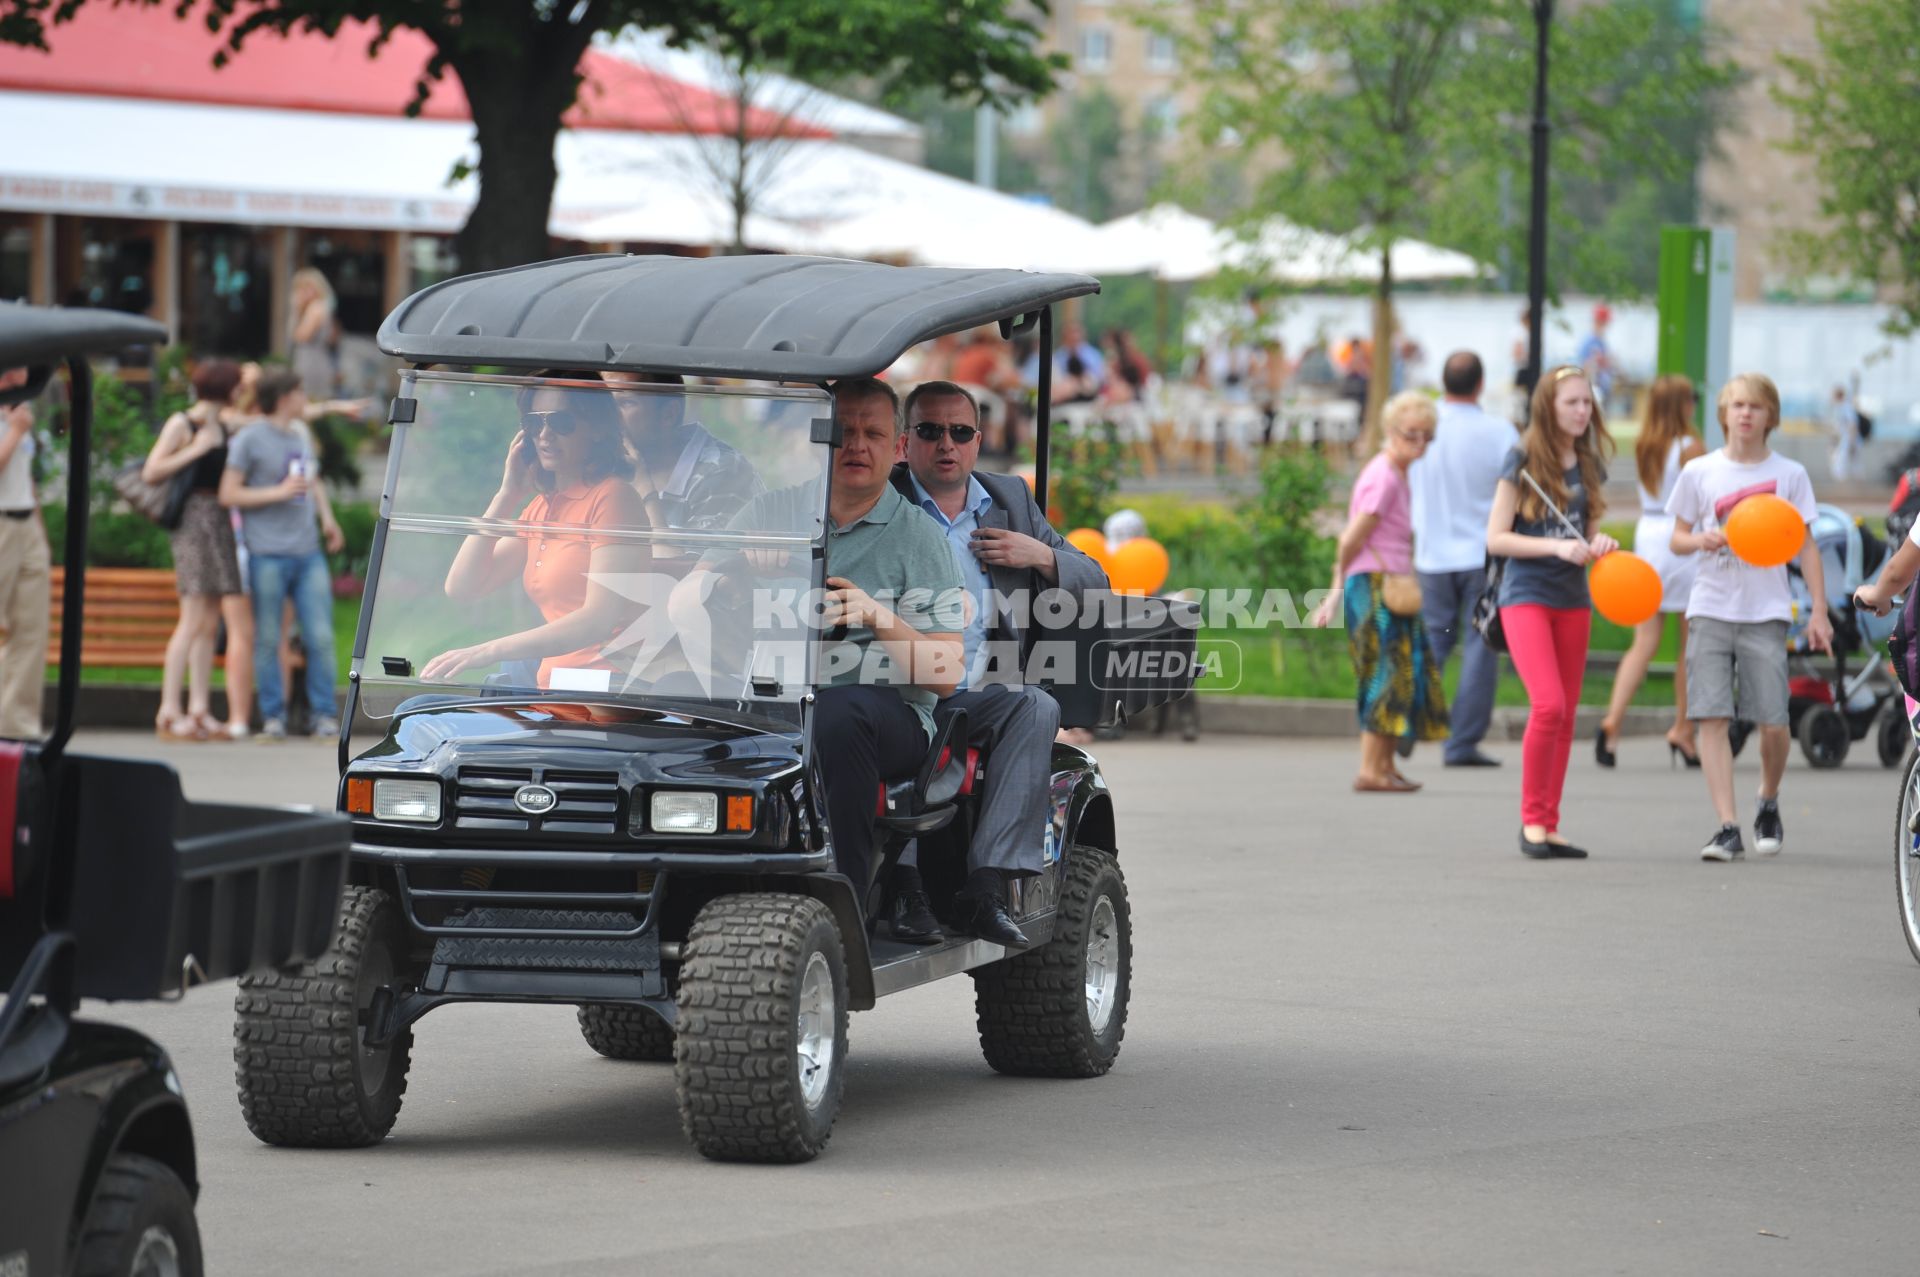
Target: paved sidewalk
{"points": [[1367, 1037]]}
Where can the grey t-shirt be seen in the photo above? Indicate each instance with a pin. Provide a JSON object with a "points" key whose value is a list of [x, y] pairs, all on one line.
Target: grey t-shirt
{"points": [[263, 454], [1549, 582]]}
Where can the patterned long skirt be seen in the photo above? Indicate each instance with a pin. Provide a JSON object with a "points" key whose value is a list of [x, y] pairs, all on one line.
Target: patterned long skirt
{"points": [[1398, 684]]}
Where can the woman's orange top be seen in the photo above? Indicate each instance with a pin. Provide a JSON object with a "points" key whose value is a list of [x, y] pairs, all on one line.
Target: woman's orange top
{"points": [[557, 562]]}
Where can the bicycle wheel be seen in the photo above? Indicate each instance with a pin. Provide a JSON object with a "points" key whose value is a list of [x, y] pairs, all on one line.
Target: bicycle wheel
{"points": [[1906, 855]]}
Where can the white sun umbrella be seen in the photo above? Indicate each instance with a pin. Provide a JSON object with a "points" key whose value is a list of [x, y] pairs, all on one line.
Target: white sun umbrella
{"points": [[1301, 255], [1165, 241]]}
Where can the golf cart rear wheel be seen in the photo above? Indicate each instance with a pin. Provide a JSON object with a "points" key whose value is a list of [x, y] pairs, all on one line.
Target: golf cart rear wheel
{"points": [[1823, 736], [1906, 856], [307, 1077], [626, 1032], [140, 1223], [1060, 1010], [761, 1047]]}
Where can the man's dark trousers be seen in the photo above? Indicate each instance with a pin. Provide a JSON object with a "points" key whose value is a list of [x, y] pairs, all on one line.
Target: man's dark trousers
{"points": [[1446, 605], [862, 735]]}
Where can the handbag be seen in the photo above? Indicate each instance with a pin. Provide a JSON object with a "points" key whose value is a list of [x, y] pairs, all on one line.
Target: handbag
{"points": [[1400, 591], [164, 503], [1486, 608]]}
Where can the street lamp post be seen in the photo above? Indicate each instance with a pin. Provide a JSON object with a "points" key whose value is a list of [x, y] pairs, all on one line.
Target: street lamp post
{"points": [[1537, 227]]}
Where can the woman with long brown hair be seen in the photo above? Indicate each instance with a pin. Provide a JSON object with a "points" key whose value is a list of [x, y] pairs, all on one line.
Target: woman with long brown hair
{"points": [[1544, 604], [1667, 442]]}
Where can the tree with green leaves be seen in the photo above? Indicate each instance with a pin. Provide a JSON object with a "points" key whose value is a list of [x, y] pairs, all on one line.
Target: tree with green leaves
{"points": [[1856, 107], [1398, 119], [518, 64]]}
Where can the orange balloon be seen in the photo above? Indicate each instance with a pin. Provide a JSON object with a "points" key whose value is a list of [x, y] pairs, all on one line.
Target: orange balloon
{"points": [[1093, 543], [1626, 589], [1766, 530], [1139, 566]]}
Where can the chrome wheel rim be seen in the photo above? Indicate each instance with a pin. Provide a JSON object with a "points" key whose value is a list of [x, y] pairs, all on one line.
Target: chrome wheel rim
{"points": [[1909, 857], [157, 1255], [816, 1019], [1103, 964]]}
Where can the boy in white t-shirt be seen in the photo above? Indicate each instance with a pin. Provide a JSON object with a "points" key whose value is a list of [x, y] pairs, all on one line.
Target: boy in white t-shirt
{"points": [[1738, 614]]}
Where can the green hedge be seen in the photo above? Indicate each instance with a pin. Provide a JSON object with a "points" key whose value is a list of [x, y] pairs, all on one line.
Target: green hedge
{"points": [[122, 539]]}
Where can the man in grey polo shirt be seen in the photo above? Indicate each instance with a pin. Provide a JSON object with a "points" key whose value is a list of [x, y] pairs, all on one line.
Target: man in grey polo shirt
{"points": [[873, 713]]}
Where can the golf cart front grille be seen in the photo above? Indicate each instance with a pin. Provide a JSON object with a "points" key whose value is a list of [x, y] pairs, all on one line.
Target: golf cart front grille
{"points": [[585, 802]]}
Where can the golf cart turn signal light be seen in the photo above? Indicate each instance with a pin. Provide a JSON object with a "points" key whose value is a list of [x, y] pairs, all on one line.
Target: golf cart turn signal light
{"points": [[740, 814], [685, 812], [411, 800], [360, 797]]}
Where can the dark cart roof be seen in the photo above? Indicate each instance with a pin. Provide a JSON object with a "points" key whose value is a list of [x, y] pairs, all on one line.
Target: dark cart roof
{"points": [[785, 318], [32, 335]]}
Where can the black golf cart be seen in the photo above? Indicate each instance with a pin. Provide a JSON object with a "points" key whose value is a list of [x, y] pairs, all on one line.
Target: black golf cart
{"points": [[638, 828], [113, 886]]}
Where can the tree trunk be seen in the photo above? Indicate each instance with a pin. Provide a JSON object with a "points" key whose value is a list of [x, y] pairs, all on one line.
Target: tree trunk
{"points": [[518, 96], [1380, 384]]}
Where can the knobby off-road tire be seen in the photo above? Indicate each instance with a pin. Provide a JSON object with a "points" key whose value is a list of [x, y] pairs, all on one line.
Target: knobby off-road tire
{"points": [[626, 1032], [1906, 866], [1060, 1010], [140, 1223], [761, 1046], [306, 1077]]}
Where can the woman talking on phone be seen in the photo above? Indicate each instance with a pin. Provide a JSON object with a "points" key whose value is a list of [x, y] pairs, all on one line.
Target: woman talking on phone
{"points": [[565, 469]]}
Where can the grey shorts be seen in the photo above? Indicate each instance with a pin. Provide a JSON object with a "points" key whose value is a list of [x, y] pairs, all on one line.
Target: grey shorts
{"points": [[1737, 670]]}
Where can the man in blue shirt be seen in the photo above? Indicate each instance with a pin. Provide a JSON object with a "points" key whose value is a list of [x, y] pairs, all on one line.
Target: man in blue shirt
{"points": [[1012, 722]]}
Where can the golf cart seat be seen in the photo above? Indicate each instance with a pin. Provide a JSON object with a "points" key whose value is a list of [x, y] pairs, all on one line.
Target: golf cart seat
{"points": [[924, 801]]}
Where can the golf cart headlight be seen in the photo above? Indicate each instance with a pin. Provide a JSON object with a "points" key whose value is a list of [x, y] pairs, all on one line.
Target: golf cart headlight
{"points": [[685, 813], [414, 800]]}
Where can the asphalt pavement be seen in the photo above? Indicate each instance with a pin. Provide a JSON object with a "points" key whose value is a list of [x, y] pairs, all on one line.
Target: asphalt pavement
{"points": [[1367, 1037]]}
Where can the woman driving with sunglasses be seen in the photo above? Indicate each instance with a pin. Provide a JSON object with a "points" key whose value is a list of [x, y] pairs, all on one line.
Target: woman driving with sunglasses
{"points": [[565, 469]]}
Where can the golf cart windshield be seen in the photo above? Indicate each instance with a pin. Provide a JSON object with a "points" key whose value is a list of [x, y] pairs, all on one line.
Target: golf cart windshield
{"points": [[588, 540]]}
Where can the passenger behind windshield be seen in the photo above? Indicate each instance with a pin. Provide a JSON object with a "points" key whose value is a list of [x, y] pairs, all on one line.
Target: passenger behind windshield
{"points": [[566, 469], [687, 478]]}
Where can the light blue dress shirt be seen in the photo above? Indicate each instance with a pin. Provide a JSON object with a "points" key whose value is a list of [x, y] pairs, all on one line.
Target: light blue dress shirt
{"points": [[959, 532]]}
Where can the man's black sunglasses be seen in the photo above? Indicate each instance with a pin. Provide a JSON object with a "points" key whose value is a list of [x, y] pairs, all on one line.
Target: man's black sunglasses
{"points": [[931, 432], [558, 422]]}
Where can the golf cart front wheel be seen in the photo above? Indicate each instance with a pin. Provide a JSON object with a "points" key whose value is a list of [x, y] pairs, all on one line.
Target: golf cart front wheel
{"points": [[1823, 736], [761, 1047], [307, 1076], [1060, 1009], [140, 1223]]}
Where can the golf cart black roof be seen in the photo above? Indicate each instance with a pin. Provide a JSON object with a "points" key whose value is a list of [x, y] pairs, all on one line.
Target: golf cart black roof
{"points": [[31, 335], [38, 337], [771, 317]]}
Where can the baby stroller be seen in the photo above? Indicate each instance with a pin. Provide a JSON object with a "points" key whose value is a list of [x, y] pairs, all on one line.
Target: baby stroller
{"points": [[1838, 699]]}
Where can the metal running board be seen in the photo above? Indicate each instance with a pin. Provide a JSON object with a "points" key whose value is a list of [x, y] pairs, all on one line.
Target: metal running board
{"points": [[898, 966]]}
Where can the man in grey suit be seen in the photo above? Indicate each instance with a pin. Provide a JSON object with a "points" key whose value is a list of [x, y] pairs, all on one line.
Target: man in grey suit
{"points": [[1006, 551]]}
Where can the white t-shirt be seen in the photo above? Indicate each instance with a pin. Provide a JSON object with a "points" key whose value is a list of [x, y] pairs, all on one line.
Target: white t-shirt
{"points": [[1453, 485], [1726, 587]]}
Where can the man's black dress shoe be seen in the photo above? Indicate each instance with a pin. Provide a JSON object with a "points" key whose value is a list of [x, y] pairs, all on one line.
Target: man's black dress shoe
{"points": [[1475, 759], [990, 920], [913, 920]]}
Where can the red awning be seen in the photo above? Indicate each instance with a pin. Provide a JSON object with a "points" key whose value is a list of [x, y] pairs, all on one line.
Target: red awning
{"points": [[137, 51]]}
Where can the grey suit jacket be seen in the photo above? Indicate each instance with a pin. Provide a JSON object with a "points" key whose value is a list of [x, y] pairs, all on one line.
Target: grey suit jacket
{"points": [[1014, 509]]}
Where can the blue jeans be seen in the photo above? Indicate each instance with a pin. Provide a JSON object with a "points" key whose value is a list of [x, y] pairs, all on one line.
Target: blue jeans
{"points": [[273, 578]]}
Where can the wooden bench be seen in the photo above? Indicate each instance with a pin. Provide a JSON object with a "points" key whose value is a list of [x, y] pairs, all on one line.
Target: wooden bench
{"points": [[129, 616]]}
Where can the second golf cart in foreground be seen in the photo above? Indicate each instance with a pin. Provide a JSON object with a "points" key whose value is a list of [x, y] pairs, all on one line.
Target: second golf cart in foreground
{"points": [[596, 789]]}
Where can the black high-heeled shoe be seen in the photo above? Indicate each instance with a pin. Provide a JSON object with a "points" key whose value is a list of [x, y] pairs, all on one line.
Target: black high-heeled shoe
{"points": [[1601, 754], [1675, 754]]}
